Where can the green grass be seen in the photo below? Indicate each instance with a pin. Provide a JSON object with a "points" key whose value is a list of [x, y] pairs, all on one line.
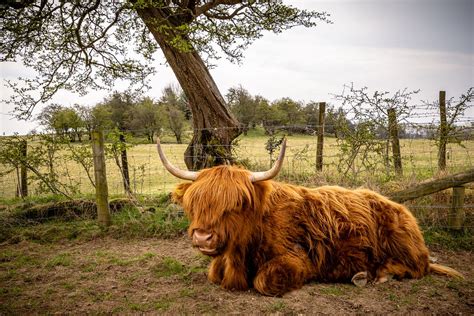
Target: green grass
{"points": [[63, 259], [171, 267], [463, 240], [154, 217], [162, 223], [159, 305], [16, 259], [277, 307], [187, 292], [162, 304], [118, 261], [334, 290], [168, 267]]}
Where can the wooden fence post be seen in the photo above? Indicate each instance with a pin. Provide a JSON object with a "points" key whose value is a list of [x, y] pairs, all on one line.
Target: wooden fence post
{"points": [[319, 146], [443, 131], [101, 189], [393, 131], [23, 173], [457, 215]]}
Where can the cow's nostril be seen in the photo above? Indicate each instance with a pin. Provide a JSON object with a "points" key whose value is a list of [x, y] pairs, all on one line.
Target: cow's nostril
{"points": [[201, 236]]}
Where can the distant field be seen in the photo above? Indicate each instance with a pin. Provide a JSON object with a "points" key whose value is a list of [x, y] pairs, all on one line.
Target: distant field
{"points": [[148, 176]]}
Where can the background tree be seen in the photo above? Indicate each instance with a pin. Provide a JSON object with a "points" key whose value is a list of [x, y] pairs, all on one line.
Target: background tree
{"points": [[74, 123], [101, 113], [176, 122], [175, 110], [89, 44], [62, 120], [46, 166], [270, 116], [336, 118], [292, 116], [146, 117], [46, 117], [243, 106], [13, 155], [311, 114], [174, 96], [87, 117], [120, 108]]}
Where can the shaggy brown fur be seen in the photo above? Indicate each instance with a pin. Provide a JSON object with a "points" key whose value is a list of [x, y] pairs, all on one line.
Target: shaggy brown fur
{"points": [[275, 236]]}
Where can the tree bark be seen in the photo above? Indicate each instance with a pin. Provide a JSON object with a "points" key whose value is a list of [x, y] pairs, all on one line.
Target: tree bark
{"points": [[178, 138], [23, 170], [125, 173], [214, 125]]}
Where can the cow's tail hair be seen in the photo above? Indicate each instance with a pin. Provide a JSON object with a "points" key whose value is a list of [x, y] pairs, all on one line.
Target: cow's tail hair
{"points": [[444, 270]]}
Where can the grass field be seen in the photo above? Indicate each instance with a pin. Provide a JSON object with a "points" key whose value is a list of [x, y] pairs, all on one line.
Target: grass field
{"points": [[148, 176]]}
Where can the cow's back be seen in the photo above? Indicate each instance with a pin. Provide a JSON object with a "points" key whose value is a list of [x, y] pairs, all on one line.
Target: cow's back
{"points": [[348, 231]]}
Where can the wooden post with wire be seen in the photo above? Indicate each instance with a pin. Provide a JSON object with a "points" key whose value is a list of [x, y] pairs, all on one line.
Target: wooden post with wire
{"points": [[457, 214], [443, 131], [101, 188], [319, 146], [393, 132]]}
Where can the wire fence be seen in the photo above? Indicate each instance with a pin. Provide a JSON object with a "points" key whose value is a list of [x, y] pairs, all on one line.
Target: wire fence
{"points": [[69, 165]]}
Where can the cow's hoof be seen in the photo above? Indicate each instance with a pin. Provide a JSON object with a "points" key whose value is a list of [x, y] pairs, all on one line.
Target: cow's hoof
{"points": [[293, 294], [360, 279], [383, 279]]}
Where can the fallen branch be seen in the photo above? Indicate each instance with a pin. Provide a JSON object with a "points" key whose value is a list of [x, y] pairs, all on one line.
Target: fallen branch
{"points": [[433, 186]]}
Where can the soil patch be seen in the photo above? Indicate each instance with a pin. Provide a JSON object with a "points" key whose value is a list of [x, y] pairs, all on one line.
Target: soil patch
{"points": [[167, 276]]}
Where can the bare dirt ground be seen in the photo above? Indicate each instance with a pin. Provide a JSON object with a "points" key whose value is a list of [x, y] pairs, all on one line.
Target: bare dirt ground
{"points": [[153, 276]]}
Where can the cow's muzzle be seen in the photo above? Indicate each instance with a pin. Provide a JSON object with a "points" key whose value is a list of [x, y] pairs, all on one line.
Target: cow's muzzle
{"points": [[205, 241]]}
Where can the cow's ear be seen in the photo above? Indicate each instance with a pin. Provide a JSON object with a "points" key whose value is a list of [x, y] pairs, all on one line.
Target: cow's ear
{"points": [[178, 193]]}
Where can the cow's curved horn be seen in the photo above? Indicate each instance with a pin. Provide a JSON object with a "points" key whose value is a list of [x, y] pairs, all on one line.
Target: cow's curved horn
{"points": [[182, 174], [269, 174]]}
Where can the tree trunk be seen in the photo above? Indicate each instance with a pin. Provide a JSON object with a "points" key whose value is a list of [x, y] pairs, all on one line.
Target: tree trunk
{"points": [[125, 173], [214, 125], [178, 138], [149, 135], [23, 172]]}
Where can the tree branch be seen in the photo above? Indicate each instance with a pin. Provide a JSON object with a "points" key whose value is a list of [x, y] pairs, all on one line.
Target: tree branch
{"points": [[226, 16], [214, 3]]}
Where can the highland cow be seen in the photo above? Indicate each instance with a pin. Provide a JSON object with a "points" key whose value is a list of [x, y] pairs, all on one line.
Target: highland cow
{"points": [[275, 236]]}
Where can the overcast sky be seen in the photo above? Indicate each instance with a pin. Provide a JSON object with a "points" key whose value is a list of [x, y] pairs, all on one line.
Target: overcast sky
{"points": [[382, 44]]}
